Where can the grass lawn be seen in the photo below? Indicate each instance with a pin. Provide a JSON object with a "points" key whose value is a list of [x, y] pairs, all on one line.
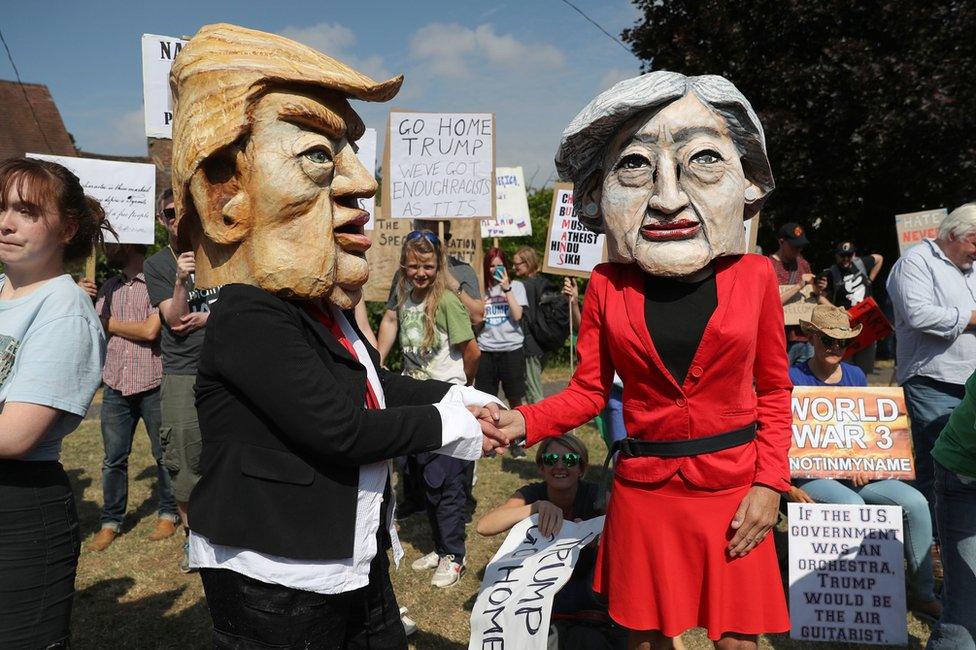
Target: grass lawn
{"points": [[133, 595]]}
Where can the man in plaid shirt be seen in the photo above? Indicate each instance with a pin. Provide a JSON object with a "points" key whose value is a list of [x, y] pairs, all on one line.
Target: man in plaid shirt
{"points": [[132, 376]]}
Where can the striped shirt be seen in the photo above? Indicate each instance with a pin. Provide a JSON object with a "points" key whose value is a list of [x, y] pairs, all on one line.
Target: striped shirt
{"points": [[130, 366]]}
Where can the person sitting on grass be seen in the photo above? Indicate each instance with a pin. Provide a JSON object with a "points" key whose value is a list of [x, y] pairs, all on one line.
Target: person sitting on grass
{"points": [[830, 332]]}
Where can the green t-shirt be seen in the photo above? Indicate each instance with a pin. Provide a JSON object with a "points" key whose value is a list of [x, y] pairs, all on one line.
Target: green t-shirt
{"points": [[956, 447], [443, 362]]}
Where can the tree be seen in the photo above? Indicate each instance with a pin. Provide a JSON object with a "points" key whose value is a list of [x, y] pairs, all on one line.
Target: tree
{"points": [[869, 108]]}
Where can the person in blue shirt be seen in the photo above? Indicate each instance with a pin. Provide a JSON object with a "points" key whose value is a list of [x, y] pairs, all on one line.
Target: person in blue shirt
{"points": [[830, 332]]}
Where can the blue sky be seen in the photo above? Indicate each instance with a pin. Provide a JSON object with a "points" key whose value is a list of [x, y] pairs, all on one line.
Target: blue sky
{"points": [[534, 63]]}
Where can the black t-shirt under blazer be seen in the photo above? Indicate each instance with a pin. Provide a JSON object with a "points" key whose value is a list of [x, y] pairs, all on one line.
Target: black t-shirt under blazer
{"points": [[282, 414]]}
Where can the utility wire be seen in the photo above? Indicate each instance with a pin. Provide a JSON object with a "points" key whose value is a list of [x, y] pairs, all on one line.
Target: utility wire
{"points": [[597, 25], [24, 90]]}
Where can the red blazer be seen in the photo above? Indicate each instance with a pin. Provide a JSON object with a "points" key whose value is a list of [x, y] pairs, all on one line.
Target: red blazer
{"points": [[738, 376]]}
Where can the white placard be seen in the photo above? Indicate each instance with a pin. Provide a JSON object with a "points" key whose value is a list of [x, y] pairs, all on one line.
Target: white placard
{"points": [[441, 165], [158, 53], [847, 575], [511, 206], [571, 248], [127, 192], [912, 227], [515, 600], [367, 156]]}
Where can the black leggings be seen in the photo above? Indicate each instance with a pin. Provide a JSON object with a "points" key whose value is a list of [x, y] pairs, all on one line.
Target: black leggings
{"points": [[508, 368], [39, 547]]}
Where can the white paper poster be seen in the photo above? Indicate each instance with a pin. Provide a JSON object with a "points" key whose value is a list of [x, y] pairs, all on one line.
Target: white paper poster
{"points": [[367, 156], [441, 165], [127, 192], [158, 53], [511, 206], [913, 227], [515, 601], [571, 248], [847, 575]]}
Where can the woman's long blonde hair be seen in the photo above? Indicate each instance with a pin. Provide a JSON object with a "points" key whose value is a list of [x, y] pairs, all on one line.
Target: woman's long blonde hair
{"points": [[423, 246]]}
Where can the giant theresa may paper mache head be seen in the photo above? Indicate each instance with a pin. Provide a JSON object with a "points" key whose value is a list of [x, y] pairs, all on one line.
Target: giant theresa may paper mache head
{"points": [[667, 166], [266, 180]]}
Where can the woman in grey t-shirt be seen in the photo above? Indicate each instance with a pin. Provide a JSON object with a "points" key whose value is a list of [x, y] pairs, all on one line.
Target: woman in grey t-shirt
{"points": [[51, 352], [501, 338]]}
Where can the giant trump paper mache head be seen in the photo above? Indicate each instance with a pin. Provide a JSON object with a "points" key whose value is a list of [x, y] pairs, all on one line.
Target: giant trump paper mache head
{"points": [[667, 166], [266, 180]]}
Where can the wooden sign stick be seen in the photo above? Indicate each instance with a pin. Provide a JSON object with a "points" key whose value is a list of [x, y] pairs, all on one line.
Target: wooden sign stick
{"points": [[90, 265]]}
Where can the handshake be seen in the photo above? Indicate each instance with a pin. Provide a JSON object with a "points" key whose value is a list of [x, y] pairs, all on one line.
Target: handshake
{"points": [[499, 427]]}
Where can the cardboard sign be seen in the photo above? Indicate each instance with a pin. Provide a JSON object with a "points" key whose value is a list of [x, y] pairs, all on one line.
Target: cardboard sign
{"points": [[571, 249], [515, 602], [127, 192], [751, 227], [913, 227], [842, 431], [800, 305], [439, 166], [876, 325], [384, 255], [367, 156], [158, 53], [511, 206], [847, 575]]}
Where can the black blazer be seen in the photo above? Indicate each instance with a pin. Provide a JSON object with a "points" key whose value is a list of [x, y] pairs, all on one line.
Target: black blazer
{"points": [[285, 428]]}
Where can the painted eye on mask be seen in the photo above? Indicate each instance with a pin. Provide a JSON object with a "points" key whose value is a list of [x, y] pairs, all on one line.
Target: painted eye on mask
{"points": [[633, 161], [318, 156], [707, 157]]}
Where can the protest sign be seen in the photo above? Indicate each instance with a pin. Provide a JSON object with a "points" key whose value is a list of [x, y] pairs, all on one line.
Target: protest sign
{"points": [[439, 165], [158, 53], [876, 325], [515, 601], [511, 206], [384, 255], [367, 156], [841, 431], [127, 192], [571, 249], [847, 574], [800, 305], [912, 227]]}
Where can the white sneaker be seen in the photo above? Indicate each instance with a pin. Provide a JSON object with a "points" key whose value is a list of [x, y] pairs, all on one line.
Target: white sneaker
{"points": [[409, 625], [428, 561], [448, 572]]}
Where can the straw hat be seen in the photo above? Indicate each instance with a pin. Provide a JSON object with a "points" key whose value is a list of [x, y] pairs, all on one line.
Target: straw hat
{"points": [[830, 321]]}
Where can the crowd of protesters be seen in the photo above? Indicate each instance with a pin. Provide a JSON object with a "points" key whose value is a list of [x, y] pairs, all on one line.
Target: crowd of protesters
{"points": [[140, 333]]}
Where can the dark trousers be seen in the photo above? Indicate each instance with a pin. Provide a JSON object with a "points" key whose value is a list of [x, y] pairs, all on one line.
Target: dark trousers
{"points": [[39, 547], [120, 416], [446, 508], [248, 613], [412, 482], [507, 368]]}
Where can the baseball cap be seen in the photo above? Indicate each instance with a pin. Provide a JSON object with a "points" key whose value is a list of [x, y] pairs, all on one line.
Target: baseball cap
{"points": [[793, 233], [845, 248]]}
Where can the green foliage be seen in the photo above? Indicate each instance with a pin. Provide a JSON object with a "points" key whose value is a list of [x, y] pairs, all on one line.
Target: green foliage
{"points": [[869, 108]]}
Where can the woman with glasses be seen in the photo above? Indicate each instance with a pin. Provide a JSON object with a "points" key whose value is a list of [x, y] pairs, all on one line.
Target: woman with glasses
{"points": [[831, 333]]}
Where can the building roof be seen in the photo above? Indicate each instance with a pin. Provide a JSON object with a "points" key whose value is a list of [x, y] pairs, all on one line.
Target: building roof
{"points": [[19, 133]]}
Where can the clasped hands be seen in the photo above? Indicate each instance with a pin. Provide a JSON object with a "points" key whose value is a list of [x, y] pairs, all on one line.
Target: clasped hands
{"points": [[500, 427]]}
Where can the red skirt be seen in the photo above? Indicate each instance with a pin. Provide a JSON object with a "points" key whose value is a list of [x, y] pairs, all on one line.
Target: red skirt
{"points": [[663, 563]]}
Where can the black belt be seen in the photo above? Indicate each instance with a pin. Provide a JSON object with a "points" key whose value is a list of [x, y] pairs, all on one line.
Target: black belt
{"points": [[676, 448]]}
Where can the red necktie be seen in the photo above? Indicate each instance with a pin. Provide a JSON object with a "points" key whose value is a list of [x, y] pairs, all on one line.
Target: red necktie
{"points": [[326, 319]]}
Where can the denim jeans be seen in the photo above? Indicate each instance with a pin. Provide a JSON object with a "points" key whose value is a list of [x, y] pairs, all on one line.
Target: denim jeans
{"points": [[915, 510], [929, 403], [613, 415], [120, 415], [955, 507]]}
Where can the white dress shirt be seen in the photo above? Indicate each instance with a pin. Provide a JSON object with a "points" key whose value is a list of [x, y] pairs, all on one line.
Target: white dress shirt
{"points": [[460, 438]]}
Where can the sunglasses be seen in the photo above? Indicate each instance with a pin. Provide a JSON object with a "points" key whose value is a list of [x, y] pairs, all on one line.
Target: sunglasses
{"points": [[426, 234], [830, 342], [569, 459], [169, 214]]}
